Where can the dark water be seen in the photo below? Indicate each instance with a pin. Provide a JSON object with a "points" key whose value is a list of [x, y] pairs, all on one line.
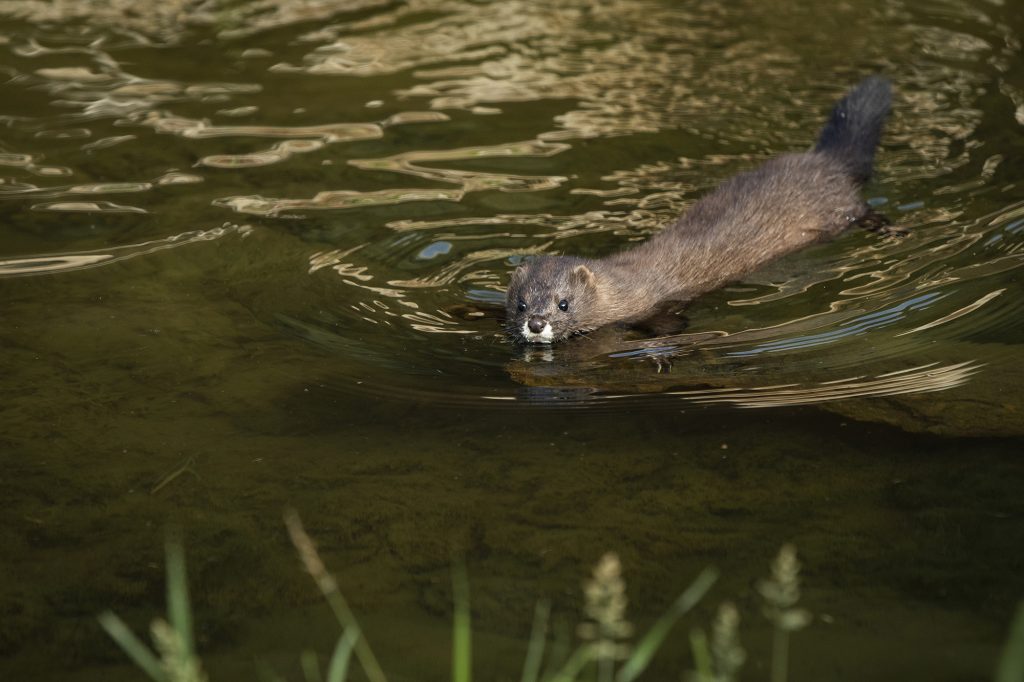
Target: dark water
{"points": [[244, 253]]}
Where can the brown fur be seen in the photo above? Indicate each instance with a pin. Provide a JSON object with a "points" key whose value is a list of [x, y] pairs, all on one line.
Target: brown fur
{"points": [[787, 203]]}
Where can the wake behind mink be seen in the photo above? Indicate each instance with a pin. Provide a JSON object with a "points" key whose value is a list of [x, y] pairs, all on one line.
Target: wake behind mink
{"points": [[789, 202]]}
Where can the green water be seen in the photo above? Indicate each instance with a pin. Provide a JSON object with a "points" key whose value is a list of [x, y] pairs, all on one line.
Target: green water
{"points": [[250, 259]]}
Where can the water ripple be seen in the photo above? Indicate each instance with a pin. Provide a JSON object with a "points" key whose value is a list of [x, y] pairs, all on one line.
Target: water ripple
{"points": [[334, 200], [924, 379], [411, 163], [568, 127], [54, 263], [87, 207]]}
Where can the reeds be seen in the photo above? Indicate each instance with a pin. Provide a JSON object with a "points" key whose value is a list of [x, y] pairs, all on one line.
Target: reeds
{"points": [[175, 659], [606, 651], [781, 592]]}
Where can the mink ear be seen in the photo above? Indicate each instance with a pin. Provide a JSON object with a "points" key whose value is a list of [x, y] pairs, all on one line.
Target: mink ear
{"points": [[583, 276], [517, 276]]}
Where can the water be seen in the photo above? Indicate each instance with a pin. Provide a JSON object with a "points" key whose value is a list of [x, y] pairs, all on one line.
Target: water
{"points": [[250, 259]]}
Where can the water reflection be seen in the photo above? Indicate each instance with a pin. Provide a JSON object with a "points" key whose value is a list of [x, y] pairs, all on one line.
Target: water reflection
{"points": [[923, 379], [54, 263], [637, 108]]}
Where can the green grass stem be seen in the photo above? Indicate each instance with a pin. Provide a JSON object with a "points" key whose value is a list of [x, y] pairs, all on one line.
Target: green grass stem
{"points": [[780, 655], [179, 609], [462, 655], [132, 646], [329, 588], [538, 638], [1011, 662], [649, 645], [337, 670], [701, 655], [572, 667], [310, 666], [559, 651]]}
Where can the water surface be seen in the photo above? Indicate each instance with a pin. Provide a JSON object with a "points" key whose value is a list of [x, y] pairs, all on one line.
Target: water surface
{"points": [[252, 256]]}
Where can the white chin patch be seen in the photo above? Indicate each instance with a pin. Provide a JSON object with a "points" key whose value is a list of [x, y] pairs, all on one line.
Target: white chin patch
{"points": [[546, 335]]}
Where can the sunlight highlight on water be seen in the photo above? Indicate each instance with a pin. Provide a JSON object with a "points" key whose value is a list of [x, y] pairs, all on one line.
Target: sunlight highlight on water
{"points": [[412, 216]]}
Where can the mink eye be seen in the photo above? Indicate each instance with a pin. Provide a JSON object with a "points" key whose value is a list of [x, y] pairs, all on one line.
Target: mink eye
{"points": [[563, 305], [521, 307]]}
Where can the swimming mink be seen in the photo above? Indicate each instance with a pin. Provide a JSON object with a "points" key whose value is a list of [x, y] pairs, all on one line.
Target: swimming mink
{"points": [[783, 205]]}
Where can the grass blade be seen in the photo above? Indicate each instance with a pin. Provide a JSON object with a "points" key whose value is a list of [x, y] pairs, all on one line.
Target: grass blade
{"points": [[310, 666], [179, 611], [1011, 662], [559, 651], [571, 670], [329, 588], [780, 655], [645, 651], [701, 655], [337, 669], [132, 646], [462, 656], [538, 637]]}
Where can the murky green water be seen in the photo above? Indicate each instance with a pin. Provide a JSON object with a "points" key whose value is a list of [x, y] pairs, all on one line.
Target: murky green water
{"points": [[244, 253]]}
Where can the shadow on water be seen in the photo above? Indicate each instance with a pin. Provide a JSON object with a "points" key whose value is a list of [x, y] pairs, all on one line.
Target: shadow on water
{"points": [[250, 258]]}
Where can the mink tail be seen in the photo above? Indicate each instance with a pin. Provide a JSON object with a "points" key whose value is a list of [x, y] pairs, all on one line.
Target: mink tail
{"points": [[855, 126]]}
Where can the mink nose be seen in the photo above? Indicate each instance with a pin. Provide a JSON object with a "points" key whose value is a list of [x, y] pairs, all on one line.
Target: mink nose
{"points": [[536, 324]]}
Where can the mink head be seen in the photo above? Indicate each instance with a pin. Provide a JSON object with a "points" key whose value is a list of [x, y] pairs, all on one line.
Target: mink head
{"points": [[550, 298]]}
